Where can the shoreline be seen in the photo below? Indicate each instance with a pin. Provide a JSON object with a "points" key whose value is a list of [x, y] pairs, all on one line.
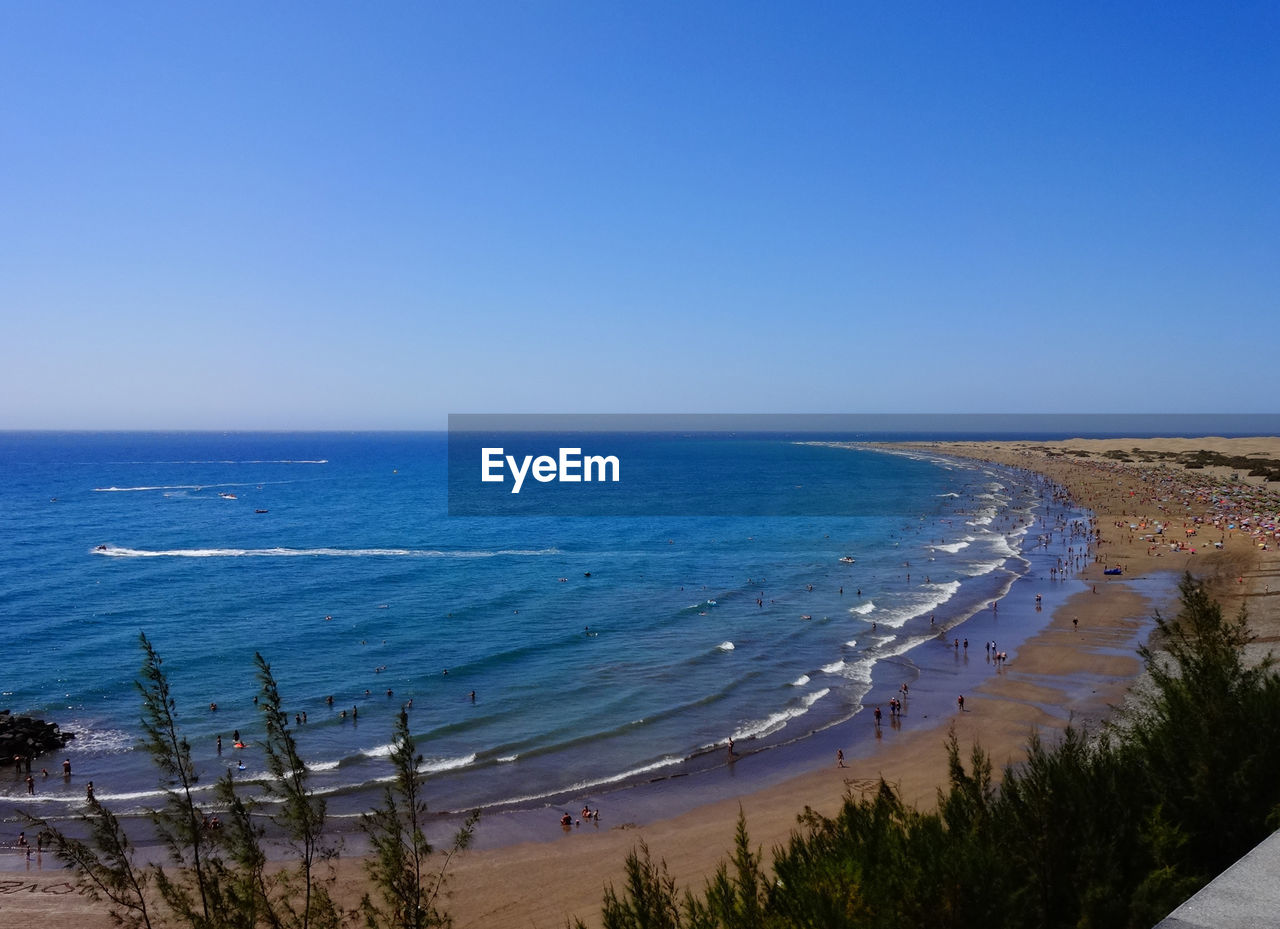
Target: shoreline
{"points": [[1060, 671], [1060, 663], [1000, 714], [523, 819]]}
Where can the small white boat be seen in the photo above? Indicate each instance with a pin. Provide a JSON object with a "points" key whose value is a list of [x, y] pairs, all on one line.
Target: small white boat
{"points": [[846, 560], [227, 496]]}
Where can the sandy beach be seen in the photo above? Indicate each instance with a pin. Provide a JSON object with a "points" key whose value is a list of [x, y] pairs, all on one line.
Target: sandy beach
{"points": [[1156, 519]]}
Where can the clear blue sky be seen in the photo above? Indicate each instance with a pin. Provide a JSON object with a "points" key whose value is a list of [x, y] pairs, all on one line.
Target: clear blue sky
{"points": [[369, 215]]}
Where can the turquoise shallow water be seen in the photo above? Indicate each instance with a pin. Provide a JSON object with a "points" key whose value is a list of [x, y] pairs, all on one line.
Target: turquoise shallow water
{"points": [[355, 582]]}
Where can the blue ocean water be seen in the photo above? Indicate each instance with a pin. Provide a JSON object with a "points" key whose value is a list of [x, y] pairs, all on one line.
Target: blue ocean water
{"points": [[599, 650]]}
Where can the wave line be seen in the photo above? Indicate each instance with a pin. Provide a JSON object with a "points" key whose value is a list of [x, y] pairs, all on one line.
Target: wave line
{"points": [[113, 551]]}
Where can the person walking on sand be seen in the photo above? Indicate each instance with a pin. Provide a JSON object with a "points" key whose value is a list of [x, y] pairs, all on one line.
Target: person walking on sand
{"points": [[960, 702], [839, 757], [877, 717]]}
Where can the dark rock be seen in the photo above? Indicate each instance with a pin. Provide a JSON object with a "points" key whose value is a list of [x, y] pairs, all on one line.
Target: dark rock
{"points": [[29, 737]]}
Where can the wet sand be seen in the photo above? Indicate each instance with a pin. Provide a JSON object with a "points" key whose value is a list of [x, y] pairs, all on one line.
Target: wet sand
{"points": [[1064, 671]]}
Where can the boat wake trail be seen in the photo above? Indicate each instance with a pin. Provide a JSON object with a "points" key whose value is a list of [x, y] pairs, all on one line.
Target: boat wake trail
{"points": [[113, 551]]}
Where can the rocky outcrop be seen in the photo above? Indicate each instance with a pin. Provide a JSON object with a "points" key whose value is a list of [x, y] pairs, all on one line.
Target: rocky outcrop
{"points": [[24, 737]]}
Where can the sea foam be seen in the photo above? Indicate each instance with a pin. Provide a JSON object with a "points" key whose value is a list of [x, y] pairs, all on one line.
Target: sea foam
{"points": [[113, 551]]}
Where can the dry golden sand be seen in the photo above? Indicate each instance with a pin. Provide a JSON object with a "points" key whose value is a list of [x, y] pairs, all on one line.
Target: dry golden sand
{"points": [[541, 884]]}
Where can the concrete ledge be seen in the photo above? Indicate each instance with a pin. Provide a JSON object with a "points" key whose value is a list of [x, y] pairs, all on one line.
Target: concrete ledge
{"points": [[1245, 896]]}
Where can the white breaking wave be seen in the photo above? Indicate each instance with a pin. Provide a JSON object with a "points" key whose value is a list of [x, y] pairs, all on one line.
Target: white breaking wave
{"points": [[430, 765], [113, 551], [985, 567], [775, 721], [929, 598], [92, 741], [816, 696], [903, 645], [322, 765], [863, 608], [612, 779], [139, 794], [597, 782], [860, 671], [834, 668], [983, 518], [954, 547], [1002, 546], [800, 681], [436, 765], [725, 646]]}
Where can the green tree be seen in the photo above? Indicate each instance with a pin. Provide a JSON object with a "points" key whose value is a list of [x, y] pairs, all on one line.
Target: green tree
{"points": [[1201, 736], [104, 865], [410, 890], [648, 900], [1093, 832], [189, 888], [215, 879], [300, 816], [737, 899]]}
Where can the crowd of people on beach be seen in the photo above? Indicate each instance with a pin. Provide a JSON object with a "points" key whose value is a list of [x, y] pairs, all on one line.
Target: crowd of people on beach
{"points": [[1168, 505]]}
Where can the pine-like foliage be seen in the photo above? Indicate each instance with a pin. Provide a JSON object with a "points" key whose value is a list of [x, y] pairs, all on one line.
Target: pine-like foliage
{"points": [[410, 891], [1207, 740], [213, 879], [1102, 832], [296, 898], [104, 865]]}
